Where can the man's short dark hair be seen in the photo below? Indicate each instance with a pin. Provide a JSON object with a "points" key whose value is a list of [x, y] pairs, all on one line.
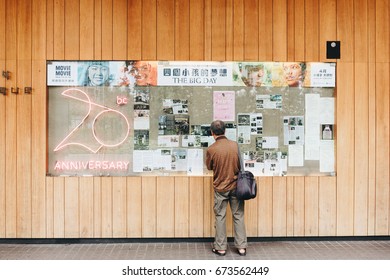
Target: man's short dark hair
{"points": [[217, 127]]}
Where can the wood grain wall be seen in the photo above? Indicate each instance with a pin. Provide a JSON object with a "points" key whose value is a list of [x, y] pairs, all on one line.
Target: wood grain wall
{"points": [[354, 203]]}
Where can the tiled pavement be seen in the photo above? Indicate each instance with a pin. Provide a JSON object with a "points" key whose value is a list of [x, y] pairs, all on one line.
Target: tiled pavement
{"points": [[270, 249]]}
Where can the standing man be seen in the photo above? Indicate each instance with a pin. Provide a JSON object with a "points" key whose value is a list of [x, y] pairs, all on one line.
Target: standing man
{"points": [[222, 158]]}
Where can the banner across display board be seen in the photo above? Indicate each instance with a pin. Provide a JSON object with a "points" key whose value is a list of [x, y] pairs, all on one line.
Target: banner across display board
{"points": [[129, 118]]}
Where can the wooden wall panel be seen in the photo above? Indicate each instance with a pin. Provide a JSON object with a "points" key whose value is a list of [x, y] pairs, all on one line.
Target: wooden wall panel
{"points": [[279, 206], [182, 29], [382, 29], [327, 25], [382, 150], [107, 205], [345, 148], [23, 119], [165, 207], [311, 206], [149, 30], [218, 30], [72, 208], [119, 207], [197, 220], [107, 29], [165, 47], [265, 207], [299, 206], [361, 148], [58, 207], [355, 202], [149, 208], [198, 30], [86, 207], [58, 29], [2, 121], [134, 29], [134, 211], [11, 120], [327, 206], [312, 53], [361, 28], [345, 31], [72, 29], [279, 23], [182, 206], [252, 27], [265, 40], [119, 25], [87, 35]]}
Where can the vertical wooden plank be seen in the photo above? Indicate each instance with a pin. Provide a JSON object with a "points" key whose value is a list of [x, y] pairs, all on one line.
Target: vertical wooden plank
{"points": [[134, 213], [345, 31], [49, 207], [290, 206], [72, 30], [149, 30], [328, 23], [251, 215], [97, 26], [382, 149], [59, 207], [345, 153], [182, 206], [38, 117], [218, 30], [327, 206], [265, 39], [299, 206], [197, 30], [49, 29], [59, 30], [87, 29], [149, 199], [311, 206], [361, 30], [2, 122], [38, 145], [312, 30], [279, 23], [165, 207], [72, 208], [372, 116], [107, 205], [165, 29], [86, 207], [299, 30], [198, 207], [119, 209], [239, 30], [382, 29], [11, 120], [361, 148], [134, 29], [291, 17], [97, 207], [251, 30], [119, 23], [182, 30], [265, 207], [207, 47], [229, 23], [107, 29], [23, 119], [208, 202], [279, 206]]}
